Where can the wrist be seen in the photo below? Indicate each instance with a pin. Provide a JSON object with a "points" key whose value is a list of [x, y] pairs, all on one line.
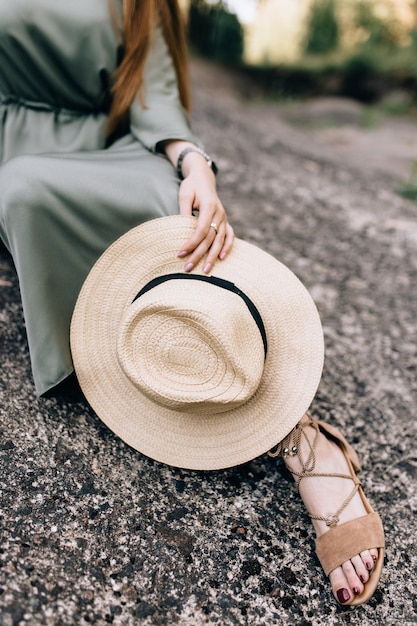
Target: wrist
{"points": [[195, 164], [191, 157]]}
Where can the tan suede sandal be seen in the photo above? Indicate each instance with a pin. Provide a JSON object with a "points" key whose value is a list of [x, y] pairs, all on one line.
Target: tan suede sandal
{"points": [[344, 541]]}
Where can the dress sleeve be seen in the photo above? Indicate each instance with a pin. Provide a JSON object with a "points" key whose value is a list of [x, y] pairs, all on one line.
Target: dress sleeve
{"points": [[163, 116]]}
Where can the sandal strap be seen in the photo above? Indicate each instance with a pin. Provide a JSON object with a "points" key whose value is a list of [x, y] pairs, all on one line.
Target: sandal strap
{"points": [[291, 446], [332, 519], [343, 542]]}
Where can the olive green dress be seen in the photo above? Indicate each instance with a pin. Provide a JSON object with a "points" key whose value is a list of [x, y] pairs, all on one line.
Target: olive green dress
{"points": [[64, 194]]}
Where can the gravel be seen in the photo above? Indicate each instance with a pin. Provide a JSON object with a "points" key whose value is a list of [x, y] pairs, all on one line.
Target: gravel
{"points": [[92, 532]]}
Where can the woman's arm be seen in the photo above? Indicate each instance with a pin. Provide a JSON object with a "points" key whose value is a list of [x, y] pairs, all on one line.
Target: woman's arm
{"points": [[154, 126], [198, 191]]}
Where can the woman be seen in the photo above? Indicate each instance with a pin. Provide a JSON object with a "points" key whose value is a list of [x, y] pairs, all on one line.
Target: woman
{"points": [[73, 176], [95, 140]]}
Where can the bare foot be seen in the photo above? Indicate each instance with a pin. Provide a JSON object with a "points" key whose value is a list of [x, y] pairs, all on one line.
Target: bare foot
{"points": [[324, 496]]}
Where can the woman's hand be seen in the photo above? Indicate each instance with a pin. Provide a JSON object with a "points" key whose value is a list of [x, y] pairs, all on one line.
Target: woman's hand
{"points": [[213, 237]]}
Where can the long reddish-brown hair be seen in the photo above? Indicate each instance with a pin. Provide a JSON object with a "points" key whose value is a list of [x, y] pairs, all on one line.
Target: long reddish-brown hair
{"points": [[139, 17]]}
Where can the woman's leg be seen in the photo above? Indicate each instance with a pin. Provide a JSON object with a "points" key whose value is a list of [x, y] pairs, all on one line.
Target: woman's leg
{"points": [[58, 213], [326, 483]]}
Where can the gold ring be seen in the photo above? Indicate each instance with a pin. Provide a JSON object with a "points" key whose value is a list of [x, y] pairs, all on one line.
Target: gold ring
{"points": [[214, 225]]}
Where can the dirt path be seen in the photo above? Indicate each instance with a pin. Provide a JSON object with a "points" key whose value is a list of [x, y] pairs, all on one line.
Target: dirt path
{"points": [[334, 129]]}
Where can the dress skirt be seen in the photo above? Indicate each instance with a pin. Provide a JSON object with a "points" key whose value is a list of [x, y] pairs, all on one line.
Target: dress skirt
{"points": [[65, 195]]}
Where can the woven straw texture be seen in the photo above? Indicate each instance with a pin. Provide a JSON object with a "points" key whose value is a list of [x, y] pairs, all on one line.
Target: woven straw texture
{"points": [[180, 373]]}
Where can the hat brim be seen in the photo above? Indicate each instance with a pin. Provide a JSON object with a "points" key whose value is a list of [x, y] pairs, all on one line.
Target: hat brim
{"points": [[292, 370]]}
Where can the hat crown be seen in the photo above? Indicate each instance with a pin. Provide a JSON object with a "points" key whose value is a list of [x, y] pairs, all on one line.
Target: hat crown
{"points": [[106, 347], [191, 346]]}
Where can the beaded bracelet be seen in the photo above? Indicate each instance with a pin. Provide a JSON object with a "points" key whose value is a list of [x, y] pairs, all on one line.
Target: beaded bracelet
{"points": [[209, 160]]}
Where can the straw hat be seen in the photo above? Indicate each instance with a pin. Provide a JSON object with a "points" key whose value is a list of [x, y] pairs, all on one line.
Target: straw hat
{"points": [[198, 372]]}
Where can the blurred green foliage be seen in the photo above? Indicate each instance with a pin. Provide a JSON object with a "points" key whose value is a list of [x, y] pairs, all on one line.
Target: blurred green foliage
{"points": [[374, 34], [380, 33], [214, 32], [361, 53], [322, 28], [358, 52], [408, 189], [386, 57]]}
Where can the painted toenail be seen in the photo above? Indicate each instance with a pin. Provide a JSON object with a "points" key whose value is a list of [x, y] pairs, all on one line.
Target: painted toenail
{"points": [[343, 595], [369, 565], [375, 558], [356, 591], [363, 579]]}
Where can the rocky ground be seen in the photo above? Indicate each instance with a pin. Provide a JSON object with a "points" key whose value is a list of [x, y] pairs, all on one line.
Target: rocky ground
{"points": [[95, 533]]}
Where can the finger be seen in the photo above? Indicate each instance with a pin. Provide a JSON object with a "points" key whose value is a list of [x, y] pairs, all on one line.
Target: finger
{"points": [[227, 243], [218, 245], [199, 252], [215, 249], [208, 214], [202, 230]]}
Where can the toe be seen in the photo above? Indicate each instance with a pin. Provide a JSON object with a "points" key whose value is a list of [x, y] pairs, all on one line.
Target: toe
{"points": [[374, 554], [340, 586], [353, 577], [368, 558], [361, 569], [349, 580]]}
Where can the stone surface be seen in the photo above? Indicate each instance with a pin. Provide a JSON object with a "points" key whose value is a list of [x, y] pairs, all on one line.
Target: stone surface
{"points": [[94, 533]]}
